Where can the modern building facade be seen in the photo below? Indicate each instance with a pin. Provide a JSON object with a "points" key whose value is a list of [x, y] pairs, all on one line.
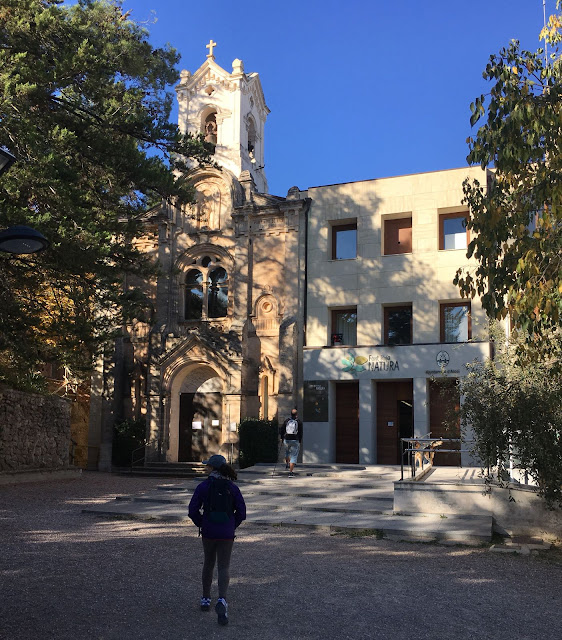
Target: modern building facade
{"points": [[387, 333], [338, 300]]}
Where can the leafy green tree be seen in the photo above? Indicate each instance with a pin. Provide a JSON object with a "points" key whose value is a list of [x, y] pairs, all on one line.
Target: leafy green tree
{"points": [[84, 107], [516, 219], [513, 412]]}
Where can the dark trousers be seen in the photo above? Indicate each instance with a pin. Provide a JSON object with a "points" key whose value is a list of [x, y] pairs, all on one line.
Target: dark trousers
{"points": [[218, 551]]}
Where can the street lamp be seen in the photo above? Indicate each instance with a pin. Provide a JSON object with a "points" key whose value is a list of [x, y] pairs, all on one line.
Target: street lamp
{"points": [[22, 239], [19, 239]]}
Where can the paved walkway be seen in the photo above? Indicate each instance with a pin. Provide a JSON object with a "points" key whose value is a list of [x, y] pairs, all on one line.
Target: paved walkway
{"points": [[65, 574], [334, 498]]}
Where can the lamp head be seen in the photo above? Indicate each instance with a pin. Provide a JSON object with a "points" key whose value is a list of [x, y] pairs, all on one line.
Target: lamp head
{"points": [[22, 240]]}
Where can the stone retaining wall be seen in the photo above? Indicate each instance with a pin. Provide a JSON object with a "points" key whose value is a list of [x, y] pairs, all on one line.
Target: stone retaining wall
{"points": [[516, 510], [34, 431]]}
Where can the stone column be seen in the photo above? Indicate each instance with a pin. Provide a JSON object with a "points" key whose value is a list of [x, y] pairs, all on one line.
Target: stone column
{"points": [[96, 414], [421, 407], [367, 403]]}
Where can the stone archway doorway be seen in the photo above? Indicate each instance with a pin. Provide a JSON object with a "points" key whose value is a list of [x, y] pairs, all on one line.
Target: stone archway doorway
{"points": [[200, 417]]}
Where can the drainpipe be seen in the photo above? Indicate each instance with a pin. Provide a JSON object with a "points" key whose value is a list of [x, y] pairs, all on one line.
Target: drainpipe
{"points": [[305, 306]]}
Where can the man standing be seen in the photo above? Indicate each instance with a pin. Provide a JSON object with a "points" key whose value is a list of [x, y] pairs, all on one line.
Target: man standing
{"points": [[291, 433]]}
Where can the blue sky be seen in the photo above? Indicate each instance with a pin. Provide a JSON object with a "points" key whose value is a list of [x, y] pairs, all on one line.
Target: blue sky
{"points": [[356, 89]]}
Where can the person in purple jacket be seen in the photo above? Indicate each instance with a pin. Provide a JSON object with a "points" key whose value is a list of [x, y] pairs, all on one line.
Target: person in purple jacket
{"points": [[217, 508]]}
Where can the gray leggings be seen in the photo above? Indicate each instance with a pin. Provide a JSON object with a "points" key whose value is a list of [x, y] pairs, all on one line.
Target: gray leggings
{"points": [[220, 551]]}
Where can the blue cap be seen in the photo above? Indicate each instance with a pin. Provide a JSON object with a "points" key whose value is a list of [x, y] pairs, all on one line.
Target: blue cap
{"points": [[215, 461]]}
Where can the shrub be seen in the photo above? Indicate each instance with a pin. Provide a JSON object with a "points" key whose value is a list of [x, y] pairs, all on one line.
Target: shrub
{"points": [[259, 441], [128, 435], [513, 410]]}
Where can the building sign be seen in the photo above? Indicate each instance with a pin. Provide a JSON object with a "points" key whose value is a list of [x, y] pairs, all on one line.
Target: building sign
{"points": [[315, 401], [356, 364], [388, 362], [382, 363], [442, 358]]}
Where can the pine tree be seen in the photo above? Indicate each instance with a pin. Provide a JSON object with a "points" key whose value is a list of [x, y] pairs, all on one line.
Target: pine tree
{"points": [[84, 107]]}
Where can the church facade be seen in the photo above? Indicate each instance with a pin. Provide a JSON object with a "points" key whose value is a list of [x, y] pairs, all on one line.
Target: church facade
{"points": [[227, 334], [337, 300]]}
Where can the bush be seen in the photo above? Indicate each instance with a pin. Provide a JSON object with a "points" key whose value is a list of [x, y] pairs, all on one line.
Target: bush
{"points": [[514, 412], [128, 435], [259, 441]]}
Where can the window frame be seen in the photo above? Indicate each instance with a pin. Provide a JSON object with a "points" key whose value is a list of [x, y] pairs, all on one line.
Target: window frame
{"points": [[450, 305], [395, 222], [213, 263], [189, 286], [336, 228], [452, 216], [386, 310], [333, 315]]}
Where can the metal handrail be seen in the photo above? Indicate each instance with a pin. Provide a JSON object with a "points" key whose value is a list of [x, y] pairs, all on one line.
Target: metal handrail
{"points": [[72, 451], [433, 444], [141, 448]]}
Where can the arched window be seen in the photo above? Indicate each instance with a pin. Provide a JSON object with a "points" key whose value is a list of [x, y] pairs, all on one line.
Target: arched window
{"points": [[211, 128], [194, 295], [218, 293], [206, 290], [251, 138]]}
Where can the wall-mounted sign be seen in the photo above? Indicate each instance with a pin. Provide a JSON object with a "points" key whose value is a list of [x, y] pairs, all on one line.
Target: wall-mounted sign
{"points": [[196, 425], [315, 401], [233, 426], [356, 364], [442, 359], [215, 423]]}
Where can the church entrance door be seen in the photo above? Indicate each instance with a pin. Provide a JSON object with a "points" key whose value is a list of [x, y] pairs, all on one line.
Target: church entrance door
{"points": [[200, 425]]}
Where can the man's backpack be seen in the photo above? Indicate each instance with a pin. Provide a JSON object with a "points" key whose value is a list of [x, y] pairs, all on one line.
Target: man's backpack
{"points": [[219, 503], [292, 427]]}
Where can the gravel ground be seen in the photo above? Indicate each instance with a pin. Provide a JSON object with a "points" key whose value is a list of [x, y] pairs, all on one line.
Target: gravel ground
{"points": [[64, 574]]}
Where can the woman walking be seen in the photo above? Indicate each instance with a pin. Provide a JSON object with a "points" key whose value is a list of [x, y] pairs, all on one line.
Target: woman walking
{"points": [[223, 509]]}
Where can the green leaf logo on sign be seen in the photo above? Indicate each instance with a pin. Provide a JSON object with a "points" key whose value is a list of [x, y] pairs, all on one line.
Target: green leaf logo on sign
{"points": [[354, 364]]}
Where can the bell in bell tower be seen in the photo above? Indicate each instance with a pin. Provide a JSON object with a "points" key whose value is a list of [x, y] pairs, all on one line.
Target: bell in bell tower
{"points": [[229, 109]]}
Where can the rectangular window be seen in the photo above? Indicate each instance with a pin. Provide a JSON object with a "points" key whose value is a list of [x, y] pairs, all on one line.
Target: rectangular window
{"points": [[533, 222], [453, 233], [344, 241], [455, 322], [344, 327], [398, 325], [397, 236]]}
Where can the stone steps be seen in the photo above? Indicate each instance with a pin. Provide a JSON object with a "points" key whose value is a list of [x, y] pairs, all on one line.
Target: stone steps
{"points": [[165, 470], [343, 503], [463, 530], [263, 500]]}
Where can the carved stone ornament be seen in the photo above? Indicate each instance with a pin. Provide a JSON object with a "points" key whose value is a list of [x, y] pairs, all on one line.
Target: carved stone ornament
{"points": [[211, 203]]}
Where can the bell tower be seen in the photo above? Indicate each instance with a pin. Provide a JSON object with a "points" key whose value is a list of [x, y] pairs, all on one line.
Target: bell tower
{"points": [[230, 110]]}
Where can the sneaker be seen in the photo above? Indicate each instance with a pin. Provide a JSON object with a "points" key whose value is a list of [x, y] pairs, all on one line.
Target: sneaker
{"points": [[222, 611], [205, 604], [291, 474]]}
